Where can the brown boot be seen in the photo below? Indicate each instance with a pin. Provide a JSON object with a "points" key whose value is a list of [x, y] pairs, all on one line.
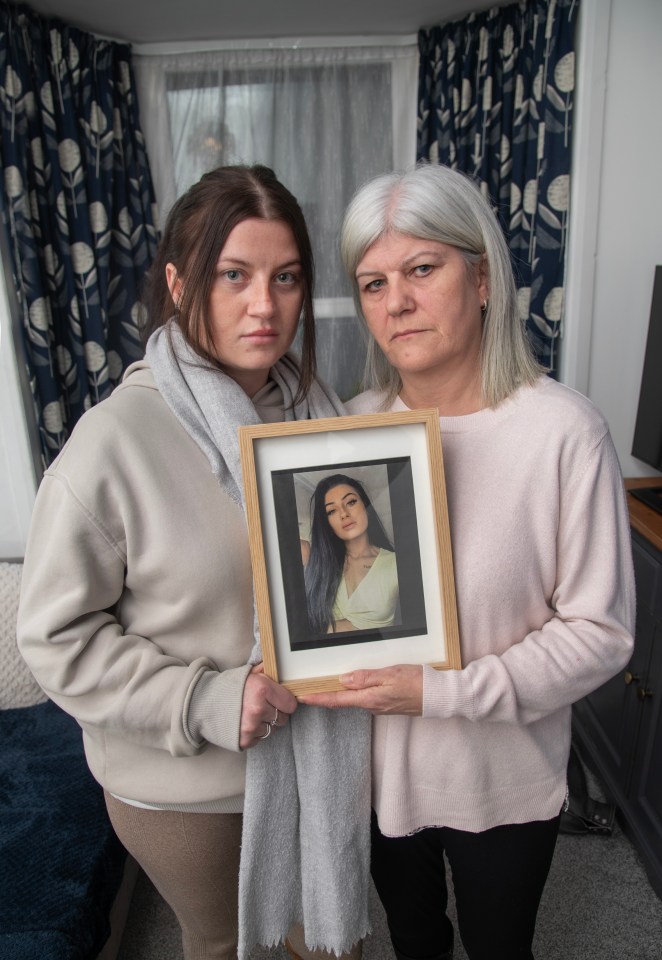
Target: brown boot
{"points": [[295, 944]]}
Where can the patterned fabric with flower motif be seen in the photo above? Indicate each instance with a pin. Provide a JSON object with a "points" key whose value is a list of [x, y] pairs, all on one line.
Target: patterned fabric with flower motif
{"points": [[496, 101], [78, 205]]}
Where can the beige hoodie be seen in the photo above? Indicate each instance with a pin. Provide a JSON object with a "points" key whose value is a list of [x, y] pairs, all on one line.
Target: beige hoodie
{"points": [[137, 579]]}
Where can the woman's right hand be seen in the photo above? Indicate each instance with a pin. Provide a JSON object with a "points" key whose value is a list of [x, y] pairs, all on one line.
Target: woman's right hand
{"points": [[265, 701]]}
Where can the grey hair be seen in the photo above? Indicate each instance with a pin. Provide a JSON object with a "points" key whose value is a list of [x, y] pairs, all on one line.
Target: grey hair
{"points": [[434, 202]]}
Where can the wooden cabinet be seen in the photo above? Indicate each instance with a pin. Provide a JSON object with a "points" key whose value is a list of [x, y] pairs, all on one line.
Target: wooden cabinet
{"points": [[619, 726]]}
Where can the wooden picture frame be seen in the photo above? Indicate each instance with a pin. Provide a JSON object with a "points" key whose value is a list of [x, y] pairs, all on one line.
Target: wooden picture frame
{"points": [[398, 459]]}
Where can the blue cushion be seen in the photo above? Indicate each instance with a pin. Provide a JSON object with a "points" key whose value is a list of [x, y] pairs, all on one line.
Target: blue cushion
{"points": [[60, 861]]}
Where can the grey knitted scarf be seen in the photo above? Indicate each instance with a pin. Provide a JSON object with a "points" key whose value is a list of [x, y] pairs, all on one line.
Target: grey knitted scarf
{"points": [[305, 854]]}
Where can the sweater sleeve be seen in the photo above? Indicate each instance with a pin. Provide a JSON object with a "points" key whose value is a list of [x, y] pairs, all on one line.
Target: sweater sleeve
{"points": [[214, 711], [588, 637], [70, 637]]}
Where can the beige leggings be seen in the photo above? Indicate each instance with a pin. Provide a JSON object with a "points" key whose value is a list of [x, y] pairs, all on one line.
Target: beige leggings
{"points": [[193, 861]]}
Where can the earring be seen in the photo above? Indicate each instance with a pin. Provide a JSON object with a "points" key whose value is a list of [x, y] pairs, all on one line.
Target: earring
{"points": [[483, 305]]}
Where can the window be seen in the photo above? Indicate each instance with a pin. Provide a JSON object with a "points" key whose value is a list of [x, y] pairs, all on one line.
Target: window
{"points": [[325, 119]]}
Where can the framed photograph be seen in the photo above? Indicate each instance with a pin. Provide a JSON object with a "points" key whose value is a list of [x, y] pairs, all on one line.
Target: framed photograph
{"points": [[350, 546]]}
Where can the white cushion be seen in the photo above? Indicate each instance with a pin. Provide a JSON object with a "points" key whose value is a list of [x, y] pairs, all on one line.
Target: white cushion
{"points": [[18, 688]]}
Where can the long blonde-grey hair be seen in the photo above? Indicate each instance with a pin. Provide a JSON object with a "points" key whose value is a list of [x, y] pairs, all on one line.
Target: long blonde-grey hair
{"points": [[433, 202]]}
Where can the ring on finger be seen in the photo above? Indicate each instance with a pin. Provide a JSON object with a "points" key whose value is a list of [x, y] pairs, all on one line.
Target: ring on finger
{"points": [[268, 726], [272, 723]]}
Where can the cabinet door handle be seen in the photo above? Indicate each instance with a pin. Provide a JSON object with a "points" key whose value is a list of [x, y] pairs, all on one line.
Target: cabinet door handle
{"points": [[630, 678], [643, 693]]}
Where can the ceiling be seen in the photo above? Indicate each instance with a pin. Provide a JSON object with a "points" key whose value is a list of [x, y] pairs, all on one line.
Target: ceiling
{"points": [[152, 21]]}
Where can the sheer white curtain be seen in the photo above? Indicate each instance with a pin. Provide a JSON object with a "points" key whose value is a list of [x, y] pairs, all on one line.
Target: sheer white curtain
{"points": [[324, 118]]}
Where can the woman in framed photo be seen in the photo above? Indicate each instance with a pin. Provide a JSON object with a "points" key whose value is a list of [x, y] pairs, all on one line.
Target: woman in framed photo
{"points": [[469, 765], [351, 573], [136, 611]]}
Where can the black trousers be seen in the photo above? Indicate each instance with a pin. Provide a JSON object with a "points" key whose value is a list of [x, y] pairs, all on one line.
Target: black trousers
{"points": [[498, 879]]}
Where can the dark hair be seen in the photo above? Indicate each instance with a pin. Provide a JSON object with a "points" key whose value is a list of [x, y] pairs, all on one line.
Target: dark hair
{"points": [[197, 229], [327, 551]]}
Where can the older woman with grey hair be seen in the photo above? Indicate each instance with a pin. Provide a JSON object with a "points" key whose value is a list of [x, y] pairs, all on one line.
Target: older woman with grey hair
{"points": [[470, 764]]}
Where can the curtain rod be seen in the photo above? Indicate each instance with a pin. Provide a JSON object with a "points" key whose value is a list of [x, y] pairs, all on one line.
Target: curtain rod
{"points": [[273, 43]]}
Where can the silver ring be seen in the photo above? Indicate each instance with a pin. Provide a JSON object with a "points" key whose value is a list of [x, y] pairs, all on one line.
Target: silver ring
{"points": [[268, 726], [275, 719]]}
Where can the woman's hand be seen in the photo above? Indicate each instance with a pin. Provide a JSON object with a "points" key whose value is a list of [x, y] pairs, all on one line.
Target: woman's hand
{"points": [[266, 705], [389, 690]]}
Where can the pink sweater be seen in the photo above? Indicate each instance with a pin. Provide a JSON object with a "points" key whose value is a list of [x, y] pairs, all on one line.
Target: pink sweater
{"points": [[545, 591]]}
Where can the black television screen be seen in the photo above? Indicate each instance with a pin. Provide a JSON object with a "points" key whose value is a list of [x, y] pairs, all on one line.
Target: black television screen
{"points": [[647, 442]]}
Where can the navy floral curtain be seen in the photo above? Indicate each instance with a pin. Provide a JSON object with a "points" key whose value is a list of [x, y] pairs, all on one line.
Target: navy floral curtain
{"points": [[496, 101], [79, 209]]}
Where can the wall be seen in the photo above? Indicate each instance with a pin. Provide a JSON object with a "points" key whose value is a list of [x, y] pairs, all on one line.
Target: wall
{"points": [[17, 472], [616, 241], [629, 229], [618, 254]]}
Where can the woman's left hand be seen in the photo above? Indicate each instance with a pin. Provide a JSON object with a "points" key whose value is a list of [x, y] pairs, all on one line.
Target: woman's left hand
{"points": [[391, 690]]}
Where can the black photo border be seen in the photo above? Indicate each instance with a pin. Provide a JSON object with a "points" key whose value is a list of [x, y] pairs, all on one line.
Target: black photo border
{"points": [[406, 547]]}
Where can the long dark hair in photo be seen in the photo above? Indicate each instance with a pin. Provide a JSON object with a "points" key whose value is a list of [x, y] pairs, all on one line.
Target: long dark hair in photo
{"points": [[327, 551]]}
